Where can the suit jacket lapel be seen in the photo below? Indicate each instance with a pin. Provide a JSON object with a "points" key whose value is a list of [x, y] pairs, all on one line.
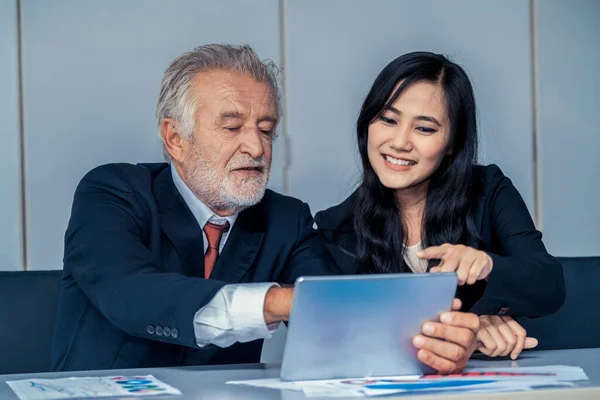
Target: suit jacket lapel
{"points": [[242, 246], [179, 224]]}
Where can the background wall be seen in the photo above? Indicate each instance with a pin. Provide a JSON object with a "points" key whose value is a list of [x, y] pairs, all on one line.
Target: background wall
{"points": [[11, 249], [91, 73], [568, 102]]}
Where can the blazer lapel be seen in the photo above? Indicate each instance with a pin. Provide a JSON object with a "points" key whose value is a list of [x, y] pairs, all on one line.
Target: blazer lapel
{"points": [[345, 260], [242, 246], [179, 224], [478, 220]]}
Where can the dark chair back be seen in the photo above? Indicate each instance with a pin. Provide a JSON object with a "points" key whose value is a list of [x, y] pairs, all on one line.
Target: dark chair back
{"points": [[577, 323], [28, 304], [29, 301]]}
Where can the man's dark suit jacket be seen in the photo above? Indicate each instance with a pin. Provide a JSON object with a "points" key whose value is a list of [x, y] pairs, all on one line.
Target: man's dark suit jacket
{"points": [[133, 270], [525, 279]]}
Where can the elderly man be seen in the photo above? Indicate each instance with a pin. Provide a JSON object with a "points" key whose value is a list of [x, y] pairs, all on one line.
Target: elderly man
{"points": [[176, 263]]}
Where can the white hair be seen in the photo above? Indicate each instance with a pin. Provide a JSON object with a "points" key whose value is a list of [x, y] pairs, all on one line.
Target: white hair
{"points": [[176, 100]]}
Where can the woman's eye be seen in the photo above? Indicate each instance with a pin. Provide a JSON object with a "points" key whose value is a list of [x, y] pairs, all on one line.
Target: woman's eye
{"points": [[387, 120], [425, 129]]}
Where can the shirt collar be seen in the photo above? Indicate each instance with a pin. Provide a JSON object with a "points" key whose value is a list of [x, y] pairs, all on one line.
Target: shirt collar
{"points": [[201, 212]]}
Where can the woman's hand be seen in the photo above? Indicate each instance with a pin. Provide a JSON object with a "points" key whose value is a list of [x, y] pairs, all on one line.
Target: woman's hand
{"points": [[470, 264], [500, 336]]}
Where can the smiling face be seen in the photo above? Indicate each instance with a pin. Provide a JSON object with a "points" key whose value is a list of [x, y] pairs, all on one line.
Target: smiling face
{"points": [[407, 143]]}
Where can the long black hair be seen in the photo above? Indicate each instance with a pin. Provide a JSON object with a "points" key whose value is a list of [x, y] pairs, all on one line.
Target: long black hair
{"points": [[378, 222]]}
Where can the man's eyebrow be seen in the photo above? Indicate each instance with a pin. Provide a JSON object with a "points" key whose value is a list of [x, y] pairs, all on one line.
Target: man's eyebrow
{"points": [[268, 118], [231, 115]]}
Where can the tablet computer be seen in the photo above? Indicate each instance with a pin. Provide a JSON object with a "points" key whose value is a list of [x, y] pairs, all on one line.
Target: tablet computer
{"points": [[358, 326]]}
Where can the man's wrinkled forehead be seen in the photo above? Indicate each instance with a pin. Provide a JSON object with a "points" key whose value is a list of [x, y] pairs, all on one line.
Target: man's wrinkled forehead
{"points": [[226, 94]]}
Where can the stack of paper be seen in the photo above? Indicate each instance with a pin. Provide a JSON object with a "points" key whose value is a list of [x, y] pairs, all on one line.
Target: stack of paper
{"points": [[471, 380], [108, 386]]}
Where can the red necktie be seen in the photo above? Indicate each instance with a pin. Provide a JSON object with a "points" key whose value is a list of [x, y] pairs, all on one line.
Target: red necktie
{"points": [[214, 233]]}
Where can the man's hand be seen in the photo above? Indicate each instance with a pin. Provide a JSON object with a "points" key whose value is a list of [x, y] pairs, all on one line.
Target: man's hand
{"points": [[446, 346], [278, 304]]}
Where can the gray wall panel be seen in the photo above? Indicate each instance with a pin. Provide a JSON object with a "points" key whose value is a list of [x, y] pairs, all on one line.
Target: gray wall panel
{"points": [[92, 74], [569, 100], [336, 48], [10, 178]]}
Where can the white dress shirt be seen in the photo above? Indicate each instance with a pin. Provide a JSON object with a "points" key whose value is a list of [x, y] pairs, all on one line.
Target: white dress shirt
{"points": [[235, 313]]}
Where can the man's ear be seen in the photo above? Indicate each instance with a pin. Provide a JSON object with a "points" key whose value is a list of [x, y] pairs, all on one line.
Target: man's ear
{"points": [[172, 139]]}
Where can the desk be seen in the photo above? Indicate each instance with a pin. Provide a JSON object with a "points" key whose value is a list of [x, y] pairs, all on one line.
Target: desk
{"points": [[209, 382]]}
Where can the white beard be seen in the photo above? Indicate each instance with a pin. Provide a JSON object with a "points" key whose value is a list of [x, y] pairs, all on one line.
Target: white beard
{"points": [[227, 193]]}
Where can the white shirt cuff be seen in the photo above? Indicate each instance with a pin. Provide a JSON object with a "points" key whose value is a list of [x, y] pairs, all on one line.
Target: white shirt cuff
{"points": [[235, 314]]}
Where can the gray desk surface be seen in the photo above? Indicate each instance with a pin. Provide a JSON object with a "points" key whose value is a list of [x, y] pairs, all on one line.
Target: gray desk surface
{"points": [[209, 382]]}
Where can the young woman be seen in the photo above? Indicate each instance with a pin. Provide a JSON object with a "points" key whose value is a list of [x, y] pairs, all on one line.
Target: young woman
{"points": [[424, 205]]}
